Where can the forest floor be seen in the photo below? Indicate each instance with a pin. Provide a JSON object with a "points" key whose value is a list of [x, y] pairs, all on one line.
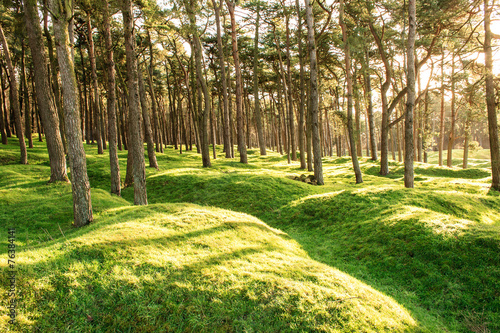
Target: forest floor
{"points": [[244, 248]]}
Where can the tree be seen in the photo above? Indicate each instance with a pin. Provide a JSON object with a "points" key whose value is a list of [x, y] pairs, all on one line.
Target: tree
{"points": [[239, 111], [258, 120], [111, 102], [48, 113], [15, 97], [82, 207], [350, 127], [490, 100], [410, 100], [136, 146], [313, 95]]}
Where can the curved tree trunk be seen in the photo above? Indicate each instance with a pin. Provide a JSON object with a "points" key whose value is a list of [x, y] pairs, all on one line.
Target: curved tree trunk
{"points": [[15, 98], [46, 107]]}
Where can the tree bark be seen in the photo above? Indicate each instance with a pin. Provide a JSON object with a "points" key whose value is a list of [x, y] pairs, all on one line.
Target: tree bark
{"points": [[302, 90], [15, 98], [490, 101], [410, 101], [239, 112], [350, 125], [451, 136], [46, 107], [82, 207], [136, 146], [258, 120], [441, 122], [313, 95], [111, 101], [148, 133], [95, 84]]}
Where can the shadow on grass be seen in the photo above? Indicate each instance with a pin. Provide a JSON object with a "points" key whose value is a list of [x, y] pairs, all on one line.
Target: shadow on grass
{"points": [[403, 242], [191, 282], [397, 171]]}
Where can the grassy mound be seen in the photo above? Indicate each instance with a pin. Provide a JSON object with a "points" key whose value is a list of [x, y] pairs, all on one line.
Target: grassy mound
{"points": [[373, 257], [171, 267]]}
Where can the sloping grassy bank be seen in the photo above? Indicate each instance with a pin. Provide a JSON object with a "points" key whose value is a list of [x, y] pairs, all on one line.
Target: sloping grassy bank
{"points": [[343, 257], [435, 248], [169, 268]]}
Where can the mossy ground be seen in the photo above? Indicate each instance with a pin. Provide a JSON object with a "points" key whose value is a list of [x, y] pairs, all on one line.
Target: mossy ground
{"points": [[244, 248]]}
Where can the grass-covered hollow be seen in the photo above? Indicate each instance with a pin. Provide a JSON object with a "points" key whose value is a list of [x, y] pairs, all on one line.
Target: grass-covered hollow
{"points": [[243, 248]]}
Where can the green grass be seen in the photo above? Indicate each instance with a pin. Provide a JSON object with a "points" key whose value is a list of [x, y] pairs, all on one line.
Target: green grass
{"points": [[243, 248]]}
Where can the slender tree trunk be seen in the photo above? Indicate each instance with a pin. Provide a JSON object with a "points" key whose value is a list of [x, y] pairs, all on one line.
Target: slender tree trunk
{"points": [[56, 90], [82, 206], [260, 132], [313, 95], [369, 109], [350, 125], [239, 108], [490, 101], [226, 127], [451, 136], [147, 122], [26, 96], [136, 146], [410, 102], [3, 122], [302, 90], [5, 108], [95, 84], [205, 110], [290, 92], [441, 123], [46, 105], [15, 98], [111, 101]]}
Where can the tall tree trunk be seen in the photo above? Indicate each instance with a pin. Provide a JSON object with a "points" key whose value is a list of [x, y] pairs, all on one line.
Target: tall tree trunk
{"points": [[56, 90], [290, 91], [369, 108], [302, 90], [15, 98], [147, 122], [350, 125], [95, 83], [313, 95], [490, 101], [26, 96], [410, 102], [136, 146], [226, 127], [3, 122], [205, 110], [451, 136], [82, 207], [111, 101], [46, 107], [441, 122], [239, 111], [258, 120]]}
